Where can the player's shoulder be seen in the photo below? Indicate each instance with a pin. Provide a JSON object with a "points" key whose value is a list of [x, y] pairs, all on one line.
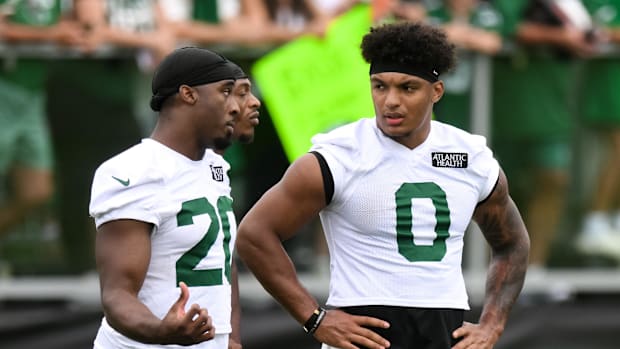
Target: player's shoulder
{"points": [[455, 148], [128, 184], [138, 163], [346, 136], [214, 158], [134, 158], [353, 147], [445, 135]]}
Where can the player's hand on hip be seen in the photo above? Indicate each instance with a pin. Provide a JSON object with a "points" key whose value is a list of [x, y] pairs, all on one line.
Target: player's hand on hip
{"points": [[232, 344], [475, 336], [341, 330], [186, 327]]}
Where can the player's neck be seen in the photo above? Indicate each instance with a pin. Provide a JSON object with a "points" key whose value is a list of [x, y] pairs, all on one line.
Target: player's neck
{"points": [[179, 142]]}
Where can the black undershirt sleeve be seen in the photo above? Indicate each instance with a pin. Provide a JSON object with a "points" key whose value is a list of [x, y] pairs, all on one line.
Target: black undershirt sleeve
{"points": [[328, 179]]}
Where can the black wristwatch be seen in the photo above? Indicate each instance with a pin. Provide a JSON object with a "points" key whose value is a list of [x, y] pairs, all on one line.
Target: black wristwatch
{"points": [[314, 320]]}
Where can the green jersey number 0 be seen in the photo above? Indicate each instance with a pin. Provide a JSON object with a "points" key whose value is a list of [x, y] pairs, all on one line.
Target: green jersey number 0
{"points": [[190, 259], [404, 219]]}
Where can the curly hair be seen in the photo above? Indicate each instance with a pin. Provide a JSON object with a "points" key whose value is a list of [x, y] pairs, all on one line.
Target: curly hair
{"points": [[413, 44]]}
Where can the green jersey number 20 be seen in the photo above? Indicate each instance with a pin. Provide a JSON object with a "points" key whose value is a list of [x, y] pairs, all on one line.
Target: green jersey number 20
{"points": [[190, 259]]}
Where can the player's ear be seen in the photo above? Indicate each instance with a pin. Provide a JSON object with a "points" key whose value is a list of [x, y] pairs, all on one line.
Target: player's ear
{"points": [[188, 94], [438, 89]]}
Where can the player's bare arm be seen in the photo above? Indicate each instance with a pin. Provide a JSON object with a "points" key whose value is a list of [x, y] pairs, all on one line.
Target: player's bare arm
{"points": [[65, 32], [504, 230], [122, 268], [277, 216], [234, 341]]}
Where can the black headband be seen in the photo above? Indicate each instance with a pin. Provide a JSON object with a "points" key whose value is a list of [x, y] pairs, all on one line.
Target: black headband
{"points": [[382, 67]]}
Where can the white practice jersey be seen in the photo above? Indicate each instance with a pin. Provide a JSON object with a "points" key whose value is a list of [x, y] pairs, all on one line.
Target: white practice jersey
{"points": [[189, 204], [396, 222]]}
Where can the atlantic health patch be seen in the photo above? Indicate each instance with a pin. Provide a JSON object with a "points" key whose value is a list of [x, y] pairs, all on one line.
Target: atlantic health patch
{"points": [[452, 160]]}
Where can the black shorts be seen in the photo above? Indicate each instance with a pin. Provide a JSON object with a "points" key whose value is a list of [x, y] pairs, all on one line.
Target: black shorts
{"points": [[414, 328]]}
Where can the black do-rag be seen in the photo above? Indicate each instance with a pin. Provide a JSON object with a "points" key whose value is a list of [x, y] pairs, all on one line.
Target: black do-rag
{"points": [[237, 71], [190, 66]]}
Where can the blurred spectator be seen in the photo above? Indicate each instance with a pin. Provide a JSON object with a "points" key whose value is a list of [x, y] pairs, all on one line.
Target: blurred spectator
{"points": [[138, 24], [25, 146], [295, 17], [472, 26], [205, 23], [411, 10], [126, 39], [469, 24], [250, 23], [532, 119], [333, 8], [600, 111]]}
